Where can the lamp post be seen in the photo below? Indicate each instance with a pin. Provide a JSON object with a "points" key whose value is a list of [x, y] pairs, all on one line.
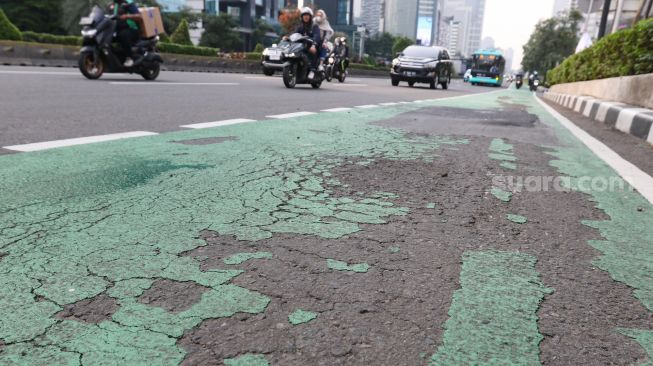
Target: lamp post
{"points": [[604, 18]]}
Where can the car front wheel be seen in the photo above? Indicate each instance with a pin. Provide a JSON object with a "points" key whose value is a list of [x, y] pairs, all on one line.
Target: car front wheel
{"points": [[395, 82]]}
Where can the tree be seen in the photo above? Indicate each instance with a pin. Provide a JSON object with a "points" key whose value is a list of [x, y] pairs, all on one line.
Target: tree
{"points": [[381, 45], [400, 44], [42, 16], [7, 29], [289, 19], [171, 21], [553, 40], [73, 11], [181, 34], [219, 32], [259, 32]]}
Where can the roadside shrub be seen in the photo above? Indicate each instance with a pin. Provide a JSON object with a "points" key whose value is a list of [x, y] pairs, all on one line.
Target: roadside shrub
{"points": [[188, 50], [259, 48], [181, 35], [8, 30], [624, 53], [51, 39], [253, 55]]}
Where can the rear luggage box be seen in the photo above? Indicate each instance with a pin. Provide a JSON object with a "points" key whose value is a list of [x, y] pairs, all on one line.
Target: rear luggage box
{"points": [[151, 22]]}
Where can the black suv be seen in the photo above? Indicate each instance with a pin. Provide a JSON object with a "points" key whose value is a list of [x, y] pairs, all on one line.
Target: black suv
{"points": [[421, 64]]}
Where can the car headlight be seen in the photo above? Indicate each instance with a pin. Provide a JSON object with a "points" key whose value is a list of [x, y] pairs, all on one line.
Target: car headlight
{"points": [[395, 62], [89, 32], [432, 65], [266, 52]]}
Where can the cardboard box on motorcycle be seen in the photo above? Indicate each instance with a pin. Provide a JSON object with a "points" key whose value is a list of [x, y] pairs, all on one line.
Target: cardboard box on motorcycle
{"points": [[151, 23]]}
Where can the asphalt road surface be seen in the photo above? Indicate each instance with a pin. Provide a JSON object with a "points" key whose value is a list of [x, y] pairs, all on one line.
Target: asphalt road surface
{"points": [[43, 104], [360, 224]]}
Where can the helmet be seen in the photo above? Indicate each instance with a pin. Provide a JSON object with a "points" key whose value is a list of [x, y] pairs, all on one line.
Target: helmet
{"points": [[535, 73], [343, 39], [306, 10]]}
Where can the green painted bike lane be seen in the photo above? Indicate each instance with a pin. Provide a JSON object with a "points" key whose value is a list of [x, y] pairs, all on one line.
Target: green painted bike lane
{"points": [[115, 217]]}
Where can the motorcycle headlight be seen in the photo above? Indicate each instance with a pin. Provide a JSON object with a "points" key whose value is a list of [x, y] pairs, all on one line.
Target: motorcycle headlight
{"points": [[89, 32], [290, 55], [331, 60]]}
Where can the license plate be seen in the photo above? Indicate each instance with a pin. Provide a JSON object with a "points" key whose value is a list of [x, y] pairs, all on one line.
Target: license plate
{"points": [[86, 21], [409, 73], [275, 57]]}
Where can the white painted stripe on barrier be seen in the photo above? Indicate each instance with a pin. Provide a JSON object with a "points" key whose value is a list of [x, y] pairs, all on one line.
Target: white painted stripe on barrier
{"points": [[291, 115], [604, 107], [337, 110], [572, 102], [579, 103], [641, 181], [588, 107], [46, 145], [650, 136], [218, 123], [626, 117]]}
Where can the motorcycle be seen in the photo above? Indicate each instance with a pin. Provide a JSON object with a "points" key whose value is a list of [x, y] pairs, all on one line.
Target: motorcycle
{"points": [[535, 84], [519, 82], [336, 67], [97, 56], [291, 57]]}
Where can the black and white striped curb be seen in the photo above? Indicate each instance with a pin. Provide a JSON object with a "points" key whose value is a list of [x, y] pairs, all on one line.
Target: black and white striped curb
{"points": [[623, 117]]}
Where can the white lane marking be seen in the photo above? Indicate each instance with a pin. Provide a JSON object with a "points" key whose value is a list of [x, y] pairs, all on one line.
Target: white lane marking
{"points": [[291, 115], [641, 181], [12, 72], [218, 123], [77, 141], [271, 77], [388, 104], [337, 110], [345, 85], [367, 106], [161, 83]]}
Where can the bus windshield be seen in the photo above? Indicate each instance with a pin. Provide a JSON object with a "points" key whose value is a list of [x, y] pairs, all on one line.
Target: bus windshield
{"points": [[488, 63]]}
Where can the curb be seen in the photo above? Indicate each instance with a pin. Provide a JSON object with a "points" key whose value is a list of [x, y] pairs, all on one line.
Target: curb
{"points": [[626, 118]]}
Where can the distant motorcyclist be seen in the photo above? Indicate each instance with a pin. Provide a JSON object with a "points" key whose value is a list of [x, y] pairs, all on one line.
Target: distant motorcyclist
{"points": [[308, 29], [127, 31], [343, 50], [532, 77]]}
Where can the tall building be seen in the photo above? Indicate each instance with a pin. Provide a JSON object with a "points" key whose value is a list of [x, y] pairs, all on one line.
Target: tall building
{"points": [[373, 16], [560, 6], [488, 42], [470, 14], [429, 15], [401, 17]]}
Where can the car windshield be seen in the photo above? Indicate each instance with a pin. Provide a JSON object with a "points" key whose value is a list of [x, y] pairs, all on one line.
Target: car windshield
{"points": [[96, 14], [486, 63], [416, 51]]}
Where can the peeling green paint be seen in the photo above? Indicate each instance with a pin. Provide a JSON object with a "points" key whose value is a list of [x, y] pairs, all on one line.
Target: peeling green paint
{"points": [[493, 316], [431, 206], [247, 360], [244, 257], [300, 316], [518, 219], [644, 338], [115, 217], [501, 194], [344, 266], [509, 166], [394, 249]]}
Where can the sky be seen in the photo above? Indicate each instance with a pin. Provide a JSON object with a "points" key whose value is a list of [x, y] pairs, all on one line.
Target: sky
{"points": [[511, 22]]}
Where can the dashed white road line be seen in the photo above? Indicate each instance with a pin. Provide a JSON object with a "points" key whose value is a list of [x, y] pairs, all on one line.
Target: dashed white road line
{"points": [[291, 115], [337, 110], [388, 104], [18, 72], [38, 146], [218, 123], [641, 181], [161, 83], [347, 85], [367, 106]]}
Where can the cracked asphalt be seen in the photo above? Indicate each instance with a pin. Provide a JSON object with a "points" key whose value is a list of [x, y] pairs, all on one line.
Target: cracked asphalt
{"points": [[393, 235]]}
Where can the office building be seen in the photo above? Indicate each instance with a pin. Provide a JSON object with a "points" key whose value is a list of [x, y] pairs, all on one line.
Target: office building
{"points": [[469, 15]]}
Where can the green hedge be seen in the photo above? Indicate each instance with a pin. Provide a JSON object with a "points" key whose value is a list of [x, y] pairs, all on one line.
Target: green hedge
{"points": [[253, 55], [188, 50], [7, 29], [624, 53], [51, 39]]}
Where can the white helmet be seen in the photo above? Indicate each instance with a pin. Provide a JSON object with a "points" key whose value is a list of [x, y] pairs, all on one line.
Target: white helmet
{"points": [[306, 10]]}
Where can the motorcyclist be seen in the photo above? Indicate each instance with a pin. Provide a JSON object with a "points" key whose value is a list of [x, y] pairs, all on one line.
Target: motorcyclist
{"points": [[127, 31], [326, 32], [532, 77], [308, 29], [343, 50]]}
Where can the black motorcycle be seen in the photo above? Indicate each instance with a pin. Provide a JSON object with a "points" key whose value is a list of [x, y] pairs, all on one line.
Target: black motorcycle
{"points": [[534, 84], [336, 67], [98, 56], [291, 56], [519, 81]]}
